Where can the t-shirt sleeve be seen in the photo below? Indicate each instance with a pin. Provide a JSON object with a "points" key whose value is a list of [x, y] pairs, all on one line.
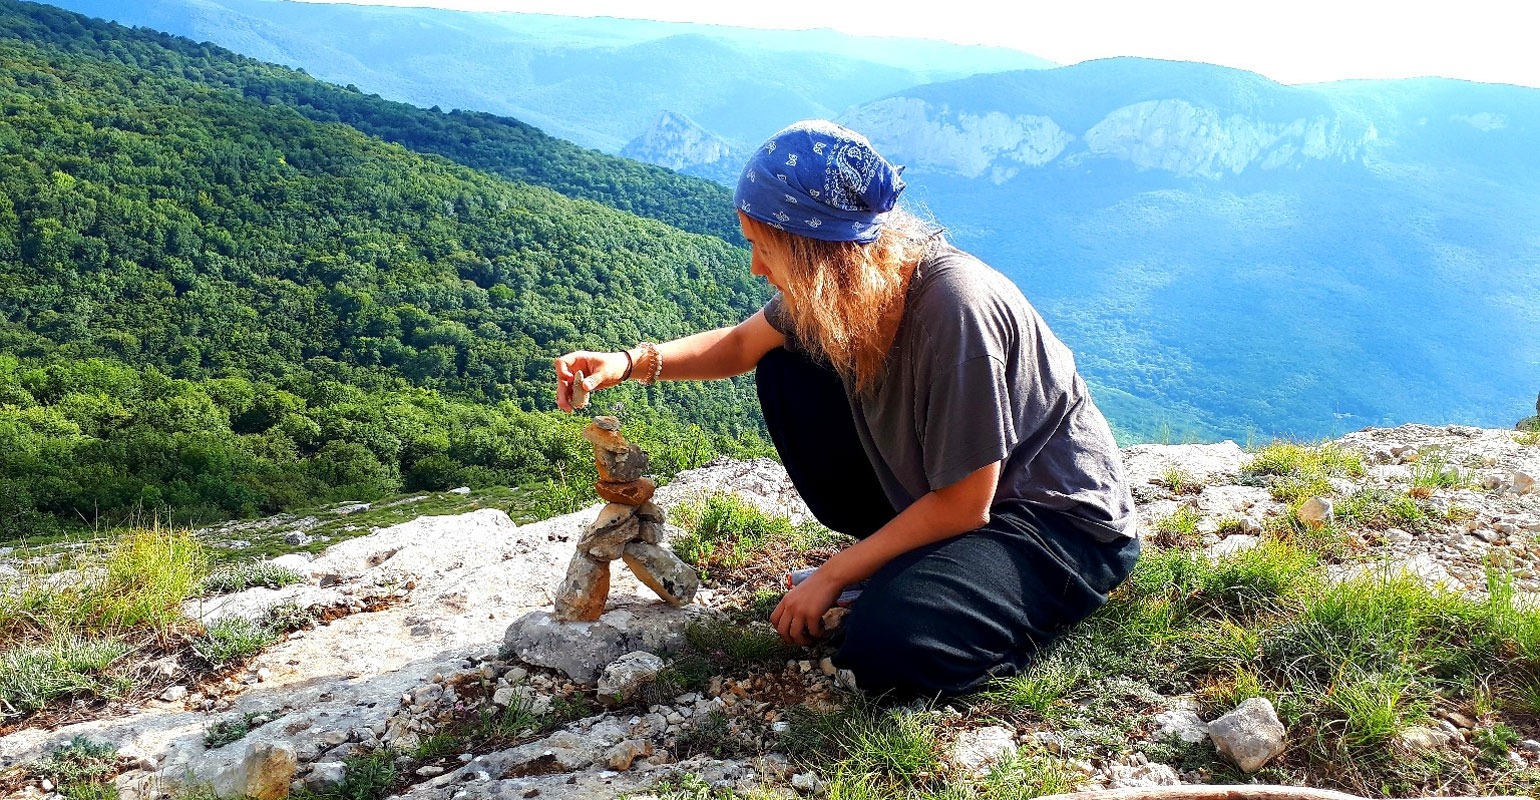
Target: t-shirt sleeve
{"points": [[780, 319], [968, 422], [775, 314], [968, 412]]}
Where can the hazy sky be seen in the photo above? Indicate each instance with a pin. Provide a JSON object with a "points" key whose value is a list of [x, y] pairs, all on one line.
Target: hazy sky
{"points": [[1299, 41]]}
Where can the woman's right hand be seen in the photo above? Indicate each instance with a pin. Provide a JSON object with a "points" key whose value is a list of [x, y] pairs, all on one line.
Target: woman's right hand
{"points": [[600, 371]]}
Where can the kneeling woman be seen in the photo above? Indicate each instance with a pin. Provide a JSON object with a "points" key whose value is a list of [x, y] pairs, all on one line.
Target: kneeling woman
{"points": [[920, 404]]}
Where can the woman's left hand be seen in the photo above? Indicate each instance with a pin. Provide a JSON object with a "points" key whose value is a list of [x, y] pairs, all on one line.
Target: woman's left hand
{"points": [[799, 617]]}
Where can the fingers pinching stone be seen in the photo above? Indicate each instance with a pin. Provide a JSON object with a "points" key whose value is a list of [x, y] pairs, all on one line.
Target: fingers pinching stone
{"points": [[579, 391], [630, 527]]}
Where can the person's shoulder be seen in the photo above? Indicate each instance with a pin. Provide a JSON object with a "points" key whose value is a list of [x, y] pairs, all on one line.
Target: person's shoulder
{"points": [[951, 278]]}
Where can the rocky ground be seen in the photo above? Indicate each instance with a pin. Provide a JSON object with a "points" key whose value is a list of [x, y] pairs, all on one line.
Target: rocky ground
{"points": [[439, 627]]}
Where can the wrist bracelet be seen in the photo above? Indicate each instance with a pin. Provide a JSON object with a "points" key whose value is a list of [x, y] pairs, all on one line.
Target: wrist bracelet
{"points": [[657, 362], [630, 365]]}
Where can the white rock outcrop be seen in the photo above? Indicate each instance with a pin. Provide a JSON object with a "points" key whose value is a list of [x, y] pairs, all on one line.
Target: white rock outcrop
{"points": [[994, 144]]}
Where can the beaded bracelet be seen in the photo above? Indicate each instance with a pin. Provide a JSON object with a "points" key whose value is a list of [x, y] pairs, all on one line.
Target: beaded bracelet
{"points": [[657, 362]]}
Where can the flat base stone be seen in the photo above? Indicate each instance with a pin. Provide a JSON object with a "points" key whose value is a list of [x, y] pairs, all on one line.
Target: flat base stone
{"points": [[581, 650]]}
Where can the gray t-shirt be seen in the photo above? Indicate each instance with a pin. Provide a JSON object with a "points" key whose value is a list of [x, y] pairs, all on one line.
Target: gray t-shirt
{"points": [[974, 377]]}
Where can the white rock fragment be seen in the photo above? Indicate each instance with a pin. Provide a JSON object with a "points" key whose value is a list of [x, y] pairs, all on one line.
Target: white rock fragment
{"points": [[974, 751], [626, 674], [1180, 723], [325, 774], [1140, 776], [1249, 736], [262, 773], [1424, 740], [1230, 545], [621, 756]]}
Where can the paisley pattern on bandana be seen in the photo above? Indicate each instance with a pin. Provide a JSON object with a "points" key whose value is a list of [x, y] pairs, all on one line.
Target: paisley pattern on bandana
{"points": [[823, 174], [849, 174]]}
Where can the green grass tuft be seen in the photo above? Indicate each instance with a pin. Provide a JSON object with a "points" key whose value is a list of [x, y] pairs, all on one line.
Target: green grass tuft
{"points": [[1043, 688], [230, 640], [726, 532], [138, 581], [1180, 481], [1378, 508], [1177, 529], [1023, 776], [81, 769], [1433, 470], [245, 575], [31, 677], [1294, 472]]}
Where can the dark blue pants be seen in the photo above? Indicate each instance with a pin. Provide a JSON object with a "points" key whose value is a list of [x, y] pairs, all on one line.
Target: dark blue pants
{"points": [[947, 617]]}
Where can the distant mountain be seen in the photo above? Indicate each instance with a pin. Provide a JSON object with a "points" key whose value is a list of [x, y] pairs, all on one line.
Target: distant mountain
{"points": [[1230, 256], [676, 142], [599, 82]]}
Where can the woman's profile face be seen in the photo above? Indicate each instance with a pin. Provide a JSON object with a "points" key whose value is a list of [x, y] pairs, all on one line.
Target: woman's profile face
{"points": [[766, 261]]}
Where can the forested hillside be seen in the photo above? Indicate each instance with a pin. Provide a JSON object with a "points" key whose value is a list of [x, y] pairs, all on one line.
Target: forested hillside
{"points": [[486, 142], [213, 304]]}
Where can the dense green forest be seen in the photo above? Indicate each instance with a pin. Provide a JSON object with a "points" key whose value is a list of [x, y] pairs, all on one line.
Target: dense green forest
{"points": [[212, 304], [486, 142]]}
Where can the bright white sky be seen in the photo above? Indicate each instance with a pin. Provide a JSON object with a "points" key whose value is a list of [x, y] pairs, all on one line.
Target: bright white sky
{"points": [[1294, 41]]}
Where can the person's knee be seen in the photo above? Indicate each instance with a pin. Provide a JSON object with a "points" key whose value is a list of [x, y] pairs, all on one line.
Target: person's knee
{"points": [[889, 656]]}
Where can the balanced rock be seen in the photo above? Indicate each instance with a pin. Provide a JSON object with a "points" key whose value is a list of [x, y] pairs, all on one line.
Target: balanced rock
{"points": [[604, 434], [1249, 736], [631, 493], [585, 589], [663, 572], [608, 535]]}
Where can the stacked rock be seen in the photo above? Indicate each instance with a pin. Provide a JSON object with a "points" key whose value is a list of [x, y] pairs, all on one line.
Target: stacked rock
{"points": [[629, 528]]}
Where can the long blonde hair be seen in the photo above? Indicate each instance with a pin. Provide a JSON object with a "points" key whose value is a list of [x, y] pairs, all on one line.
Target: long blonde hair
{"points": [[844, 296]]}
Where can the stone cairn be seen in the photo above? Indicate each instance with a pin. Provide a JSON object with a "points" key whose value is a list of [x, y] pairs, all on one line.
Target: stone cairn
{"points": [[629, 528]]}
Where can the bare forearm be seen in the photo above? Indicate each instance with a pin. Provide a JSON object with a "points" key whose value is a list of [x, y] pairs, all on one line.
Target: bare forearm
{"points": [[929, 519], [707, 355], [941, 514]]}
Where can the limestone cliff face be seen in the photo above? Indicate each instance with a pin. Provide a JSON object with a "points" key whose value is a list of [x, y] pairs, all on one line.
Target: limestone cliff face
{"points": [[1190, 140], [1172, 135], [675, 141], [994, 144]]}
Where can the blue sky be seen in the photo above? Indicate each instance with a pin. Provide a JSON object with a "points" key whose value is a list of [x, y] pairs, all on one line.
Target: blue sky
{"points": [[1300, 41]]}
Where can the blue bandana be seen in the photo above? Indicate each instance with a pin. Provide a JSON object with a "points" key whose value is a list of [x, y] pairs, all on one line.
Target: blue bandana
{"points": [[819, 180]]}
